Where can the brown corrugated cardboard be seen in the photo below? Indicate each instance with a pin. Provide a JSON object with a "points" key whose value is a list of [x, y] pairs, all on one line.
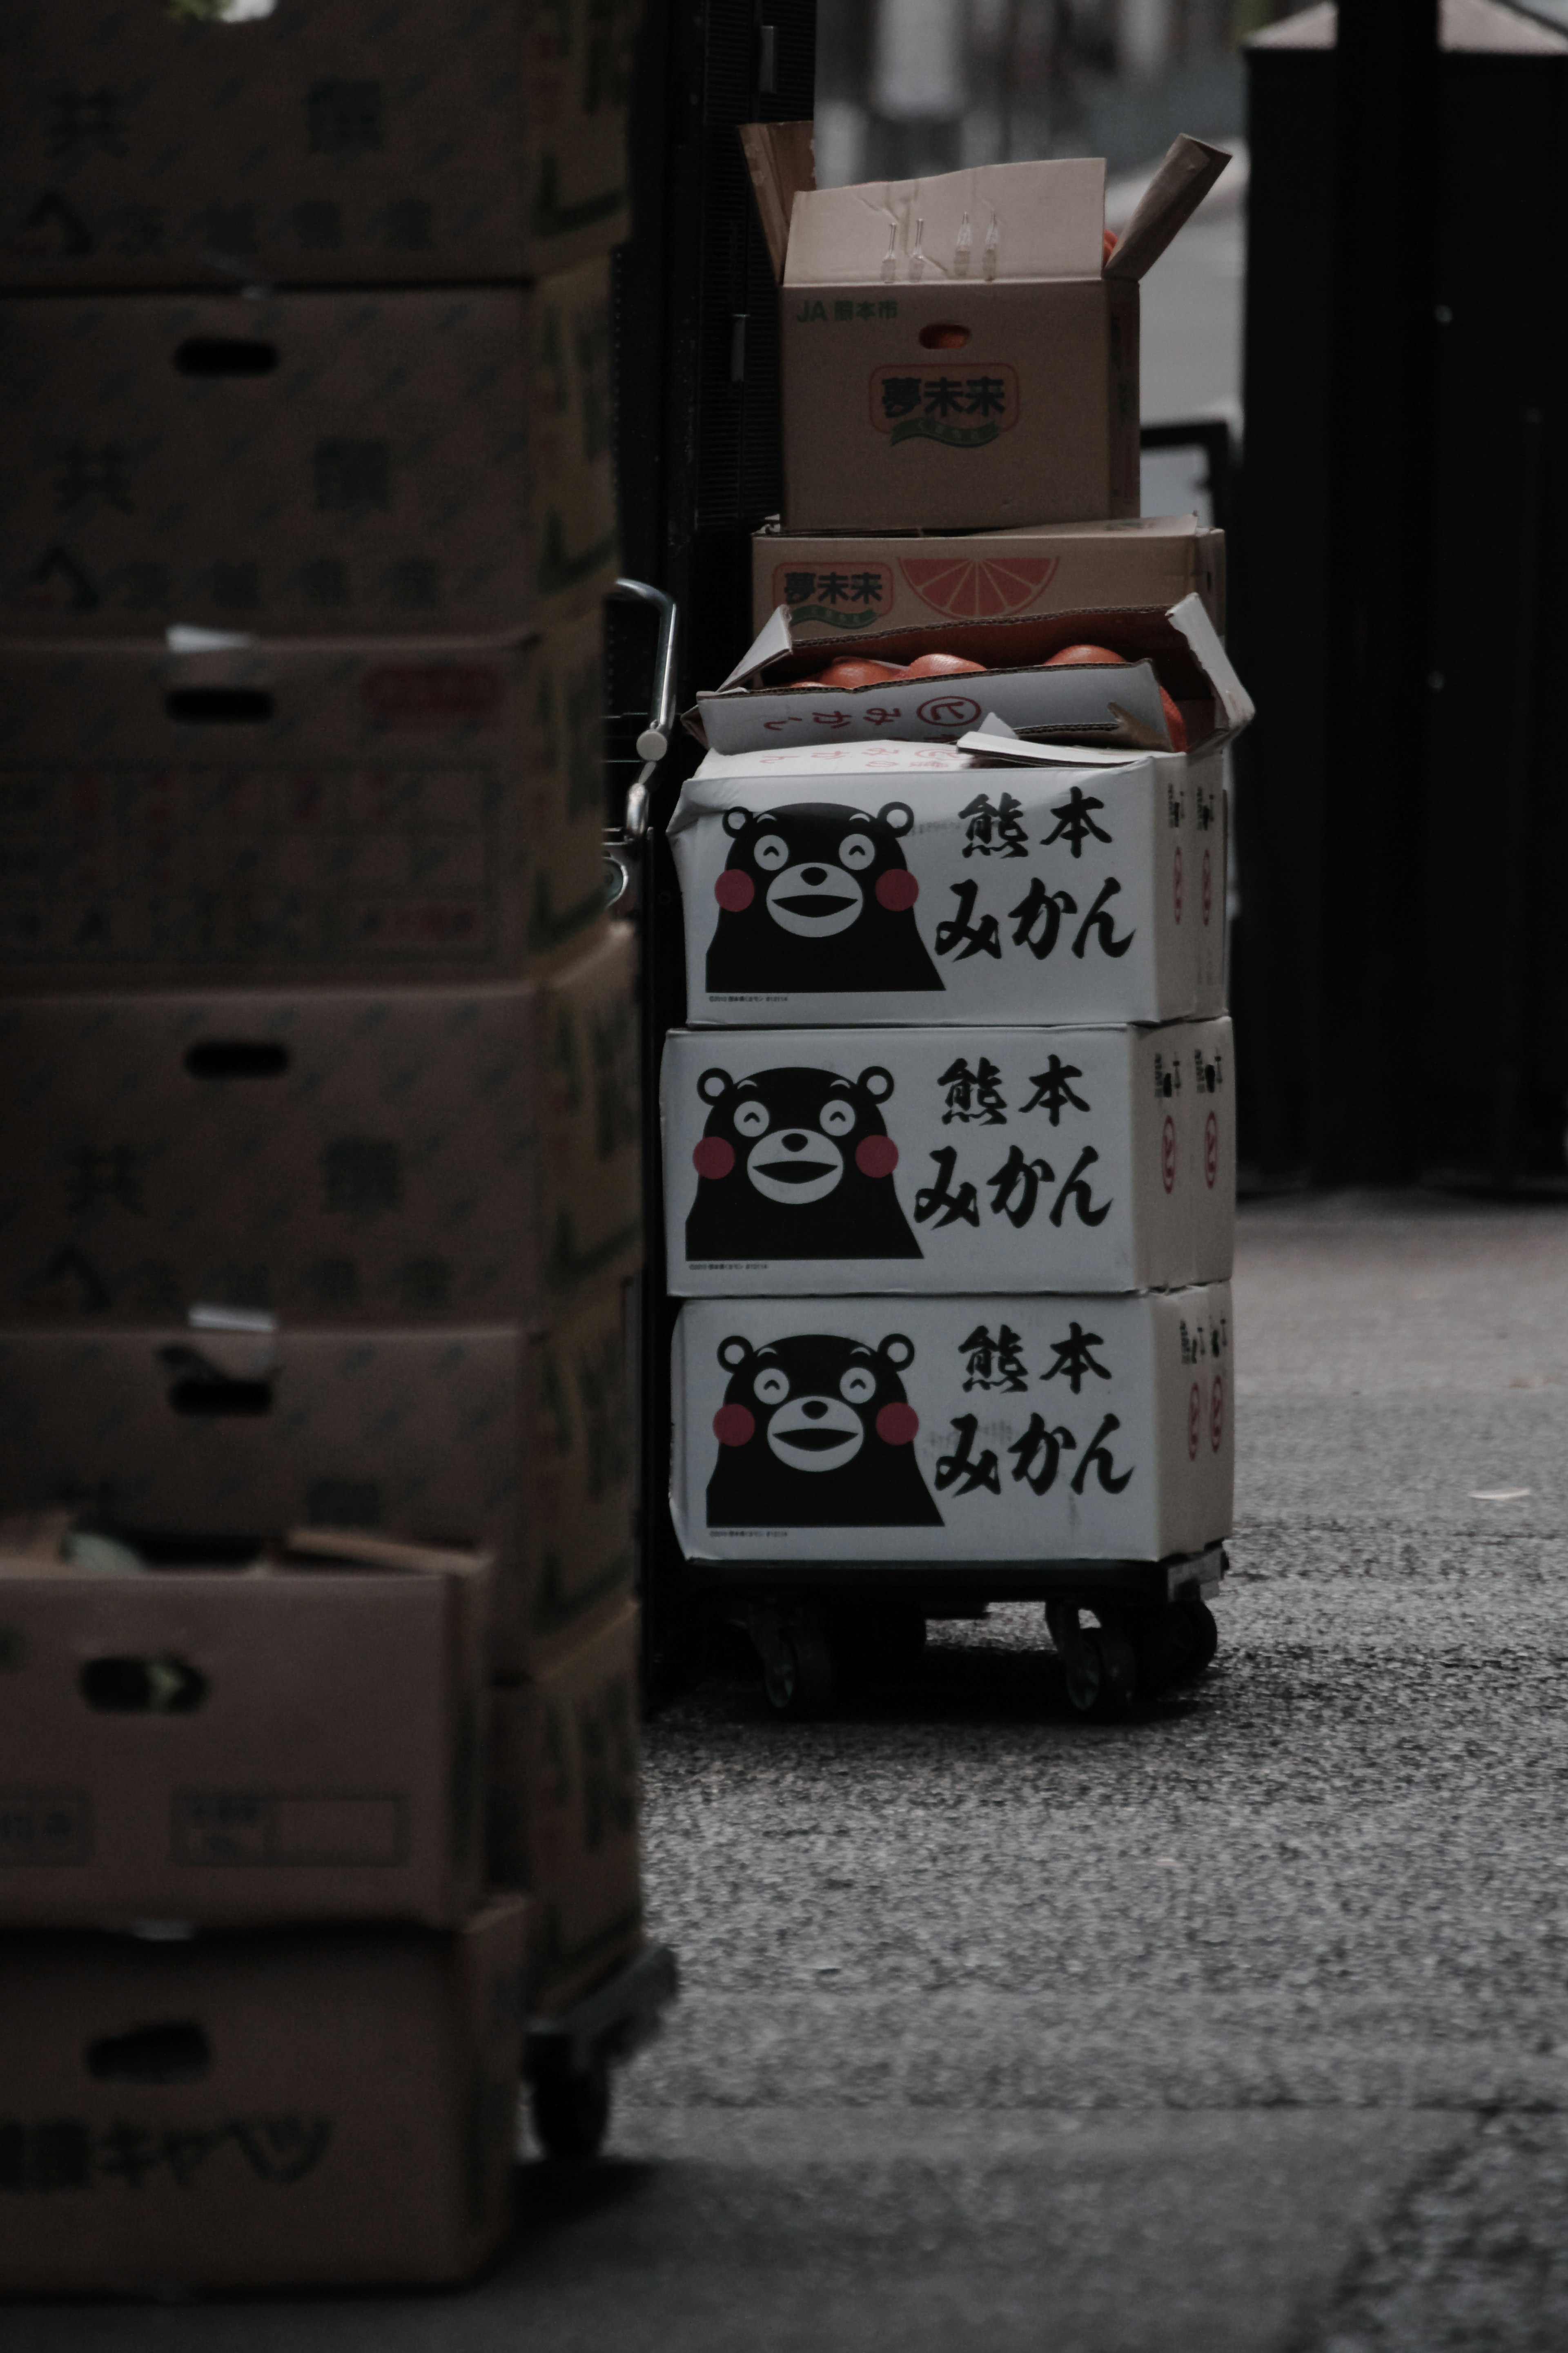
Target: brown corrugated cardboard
{"points": [[844, 586], [958, 355], [925, 405], [1002, 1428], [295, 1740], [326, 1155], [316, 465], [328, 2108], [349, 143], [564, 1811], [479, 1435], [374, 812], [781, 159]]}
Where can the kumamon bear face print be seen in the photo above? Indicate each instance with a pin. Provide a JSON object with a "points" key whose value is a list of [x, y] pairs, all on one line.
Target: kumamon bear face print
{"points": [[817, 897], [817, 1431], [796, 1164]]}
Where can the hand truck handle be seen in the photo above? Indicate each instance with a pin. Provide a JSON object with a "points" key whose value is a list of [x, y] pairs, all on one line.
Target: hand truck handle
{"points": [[655, 739]]}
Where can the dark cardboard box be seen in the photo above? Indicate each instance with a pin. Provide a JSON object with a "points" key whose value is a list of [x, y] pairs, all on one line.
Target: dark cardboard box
{"points": [[479, 1435], [288, 2109], [325, 1155], [294, 1740], [320, 465], [380, 811], [563, 1810], [348, 142], [846, 586]]}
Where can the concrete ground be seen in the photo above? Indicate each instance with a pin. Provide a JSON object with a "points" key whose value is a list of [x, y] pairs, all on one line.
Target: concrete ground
{"points": [[1241, 2025]]}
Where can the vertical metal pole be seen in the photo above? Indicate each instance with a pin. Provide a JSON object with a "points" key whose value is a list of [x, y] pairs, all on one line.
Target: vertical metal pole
{"points": [[1382, 328]]}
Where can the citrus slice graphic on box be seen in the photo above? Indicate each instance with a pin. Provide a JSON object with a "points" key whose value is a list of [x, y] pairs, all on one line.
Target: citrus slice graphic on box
{"points": [[978, 588]]}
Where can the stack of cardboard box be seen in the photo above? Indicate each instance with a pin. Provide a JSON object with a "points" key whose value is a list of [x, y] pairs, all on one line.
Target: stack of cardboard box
{"points": [[932, 798], [323, 1207]]}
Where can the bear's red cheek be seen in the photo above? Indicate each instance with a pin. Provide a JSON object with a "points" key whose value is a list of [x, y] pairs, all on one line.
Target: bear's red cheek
{"points": [[897, 889], [895, 1424], [713, 1156], [875, 1156], [734, 891], [734, 1426]]}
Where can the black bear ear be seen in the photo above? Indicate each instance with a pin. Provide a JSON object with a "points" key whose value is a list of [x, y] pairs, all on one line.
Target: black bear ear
{"points": [[735, 1352], [897, 1351], [714, 1085], [877, 1083], [736, 820], [897, 816]]}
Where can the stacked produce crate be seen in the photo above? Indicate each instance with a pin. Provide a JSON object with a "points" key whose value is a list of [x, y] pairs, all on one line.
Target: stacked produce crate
{"points": [[322, 1208], [949, 1142]]}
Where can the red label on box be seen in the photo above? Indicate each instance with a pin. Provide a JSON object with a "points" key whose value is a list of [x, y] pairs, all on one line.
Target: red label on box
{"points": [[963, 407], [983, 589], [409, 695]]}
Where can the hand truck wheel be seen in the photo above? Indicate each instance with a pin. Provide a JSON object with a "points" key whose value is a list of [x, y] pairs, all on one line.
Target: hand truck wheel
{"points": [[571, 2111], [1100, 1663], [797, 1670], [1199, 1636]]}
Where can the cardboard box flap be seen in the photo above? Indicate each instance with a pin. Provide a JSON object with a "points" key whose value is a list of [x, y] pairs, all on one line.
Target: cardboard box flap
{"points": [[781, 160], [1176, 649], [993, 221], [774, 639], [1172, 196], [993, 742], [352, 1549], [1210, 655]]}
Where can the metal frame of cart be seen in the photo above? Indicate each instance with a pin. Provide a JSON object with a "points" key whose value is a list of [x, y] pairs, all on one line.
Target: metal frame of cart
{"points": [[1153, 1628]]}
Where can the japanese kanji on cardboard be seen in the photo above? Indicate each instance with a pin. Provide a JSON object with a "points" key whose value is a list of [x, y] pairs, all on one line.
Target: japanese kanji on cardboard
{"points": [[915, 883], [968, 1430], [822, 1161]]}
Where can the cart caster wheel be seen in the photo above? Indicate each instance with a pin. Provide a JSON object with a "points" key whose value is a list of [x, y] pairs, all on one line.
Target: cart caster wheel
{"points": [[571, 2113], [902, 1642], [797, 1672], [1101, 1674], [1198, 1637]]}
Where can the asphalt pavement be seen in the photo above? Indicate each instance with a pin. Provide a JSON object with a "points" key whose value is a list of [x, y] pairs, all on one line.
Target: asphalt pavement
{"points": [[1241, 2025]]}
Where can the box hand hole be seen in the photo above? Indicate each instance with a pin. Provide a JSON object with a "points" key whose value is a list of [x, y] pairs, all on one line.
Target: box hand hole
{"points": [[945, 338], [158, 1684], [176, 2053], [225, 355], [236, 1058], [210, 1397], [219, 706]]}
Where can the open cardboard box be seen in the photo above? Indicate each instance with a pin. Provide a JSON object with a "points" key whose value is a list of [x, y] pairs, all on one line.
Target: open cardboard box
{"points": [[769, 699], [519, 1442], [297, 1735], [962, 352], [288, 2108]]}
